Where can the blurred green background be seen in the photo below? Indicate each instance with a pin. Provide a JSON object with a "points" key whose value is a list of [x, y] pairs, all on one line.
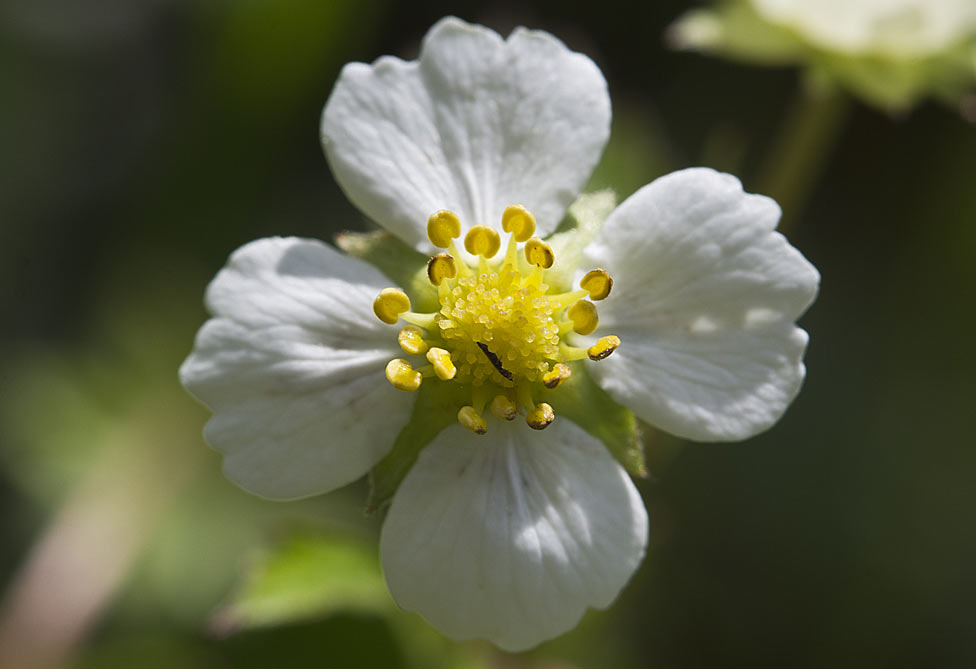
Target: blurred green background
{"points": [[144, 140]]}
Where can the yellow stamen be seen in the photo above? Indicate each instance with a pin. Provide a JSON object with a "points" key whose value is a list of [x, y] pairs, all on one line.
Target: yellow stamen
{"points": [[402, 376], [538, 253], [603, 347], [440, 267], [563, 300], [597, 282], [443, 365], [540, 417], [518, 221], [482, 241], [425, 321], [498, 329], [479, 398], [565, 327], [442, 227], [472, 420], [584, 317], [556, 376], [524, 395], [571, 353], [389, 304], [411, 340], [503, 408], [462, 267], [511, 253]]}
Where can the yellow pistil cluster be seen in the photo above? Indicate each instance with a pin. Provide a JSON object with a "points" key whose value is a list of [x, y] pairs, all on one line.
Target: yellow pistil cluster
{"points": [[498, 328]]}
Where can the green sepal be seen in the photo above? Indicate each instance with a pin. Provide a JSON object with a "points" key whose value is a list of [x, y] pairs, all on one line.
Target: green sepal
{"points": [[308, 576], [583, 221], [436, 408], [582, 401], [405, 266]]}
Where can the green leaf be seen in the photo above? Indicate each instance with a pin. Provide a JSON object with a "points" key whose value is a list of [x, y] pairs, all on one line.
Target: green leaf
{"points": [[405, 266], [582, 223], [436, 408], [309, 576], [585, 403]]}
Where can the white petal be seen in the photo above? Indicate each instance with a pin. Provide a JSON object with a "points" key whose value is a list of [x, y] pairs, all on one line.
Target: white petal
{"points": [[898, 28], [476, 124], [512, 535], [704, 298], [292, 365]]}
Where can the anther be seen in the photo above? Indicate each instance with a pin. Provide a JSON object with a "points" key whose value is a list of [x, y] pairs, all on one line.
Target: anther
{"points": [[402, 376], [440, 267], [482, 241], [554, 377], [538, 253], [603, 347], [597, 282], [389, 304], [411, 340], [541, 417], [584, 317], [472, 420], [443, 365], [518, 221], [442, 227], [503, 408]]}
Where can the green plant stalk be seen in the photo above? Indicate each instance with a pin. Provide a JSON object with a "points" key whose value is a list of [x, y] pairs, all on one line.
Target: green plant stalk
{"points": [[800, 151]]}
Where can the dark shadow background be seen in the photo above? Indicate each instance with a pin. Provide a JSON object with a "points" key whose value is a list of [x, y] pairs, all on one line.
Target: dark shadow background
{"points": [[144, 141]]}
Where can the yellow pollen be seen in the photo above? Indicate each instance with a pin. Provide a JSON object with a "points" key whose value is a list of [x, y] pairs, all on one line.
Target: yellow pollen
{"points": [[497, 331], [560, 372], [482, 241], [503, 408], [411, 340], [440, 267], [538, 253], [518, 221], [442, 227], [443, 365], [584, 317], [472, 420], [541, 417], [603, 347], [597, 282], [389, 304], [402, 376]]}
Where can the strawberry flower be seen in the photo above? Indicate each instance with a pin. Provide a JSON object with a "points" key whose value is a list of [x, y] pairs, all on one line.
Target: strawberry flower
{"points": [[492, 377]]}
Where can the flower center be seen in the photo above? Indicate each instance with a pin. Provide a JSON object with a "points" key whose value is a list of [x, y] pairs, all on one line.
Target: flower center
{"points": [[498, 329]]}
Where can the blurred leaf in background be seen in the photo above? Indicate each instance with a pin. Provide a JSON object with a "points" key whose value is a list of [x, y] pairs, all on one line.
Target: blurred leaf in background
{"points": [[308, 577]]}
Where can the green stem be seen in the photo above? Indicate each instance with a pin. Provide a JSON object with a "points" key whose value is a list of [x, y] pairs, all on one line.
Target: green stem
{"points": [[800, 151]]}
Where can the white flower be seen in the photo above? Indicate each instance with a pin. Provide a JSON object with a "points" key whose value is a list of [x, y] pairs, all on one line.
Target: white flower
{"points": [[498, 531], [891, 53], [896, 28]]}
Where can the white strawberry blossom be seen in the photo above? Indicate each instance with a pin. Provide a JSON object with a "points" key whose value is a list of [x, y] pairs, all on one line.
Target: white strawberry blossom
{"points": [[512, 534]]}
